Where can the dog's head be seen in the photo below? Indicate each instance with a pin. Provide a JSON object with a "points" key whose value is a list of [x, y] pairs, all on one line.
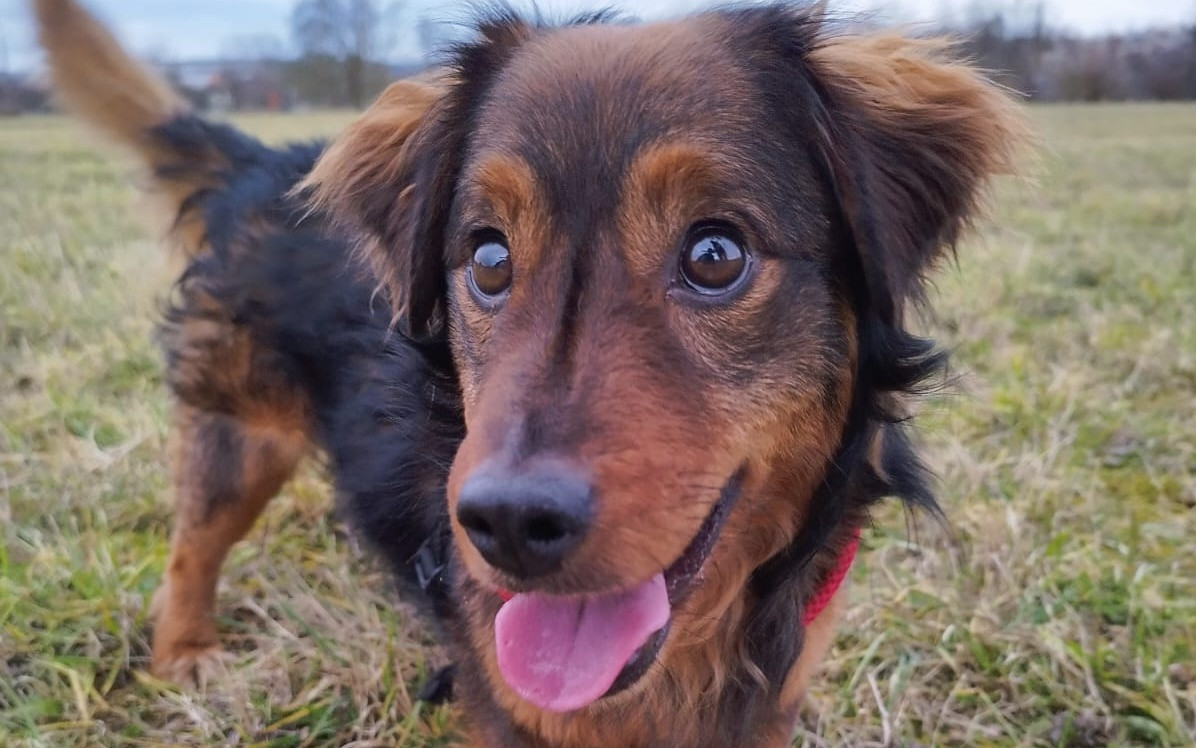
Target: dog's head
{"points": [[671, 260]]}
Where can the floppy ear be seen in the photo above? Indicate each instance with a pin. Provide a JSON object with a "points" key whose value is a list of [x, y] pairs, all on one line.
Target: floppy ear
{"points": [[391, 177], [910, 137], [914, 136], [365, 181]]}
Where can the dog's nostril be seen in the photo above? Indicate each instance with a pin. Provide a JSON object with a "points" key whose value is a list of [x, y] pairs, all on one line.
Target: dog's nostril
{"points": [[475, 522], [545, 529]]}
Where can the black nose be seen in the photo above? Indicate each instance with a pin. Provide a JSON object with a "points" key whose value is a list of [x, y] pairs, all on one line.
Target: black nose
{"points": [[526, 522]]}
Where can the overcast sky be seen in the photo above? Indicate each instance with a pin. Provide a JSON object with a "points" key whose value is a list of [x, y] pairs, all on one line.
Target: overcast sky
{"points": [[189, 29]]}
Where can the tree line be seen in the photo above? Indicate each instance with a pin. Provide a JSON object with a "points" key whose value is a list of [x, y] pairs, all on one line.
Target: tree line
{"points": [[1015, 42], [341, 45], [341, 49]]}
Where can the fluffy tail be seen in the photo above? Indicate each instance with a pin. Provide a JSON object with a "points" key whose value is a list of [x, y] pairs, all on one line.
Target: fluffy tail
{"points": [[99, 82], [96, 80]]}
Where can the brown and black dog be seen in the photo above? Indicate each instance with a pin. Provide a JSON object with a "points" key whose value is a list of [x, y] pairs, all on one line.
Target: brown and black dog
{"points": [[635, 368]]}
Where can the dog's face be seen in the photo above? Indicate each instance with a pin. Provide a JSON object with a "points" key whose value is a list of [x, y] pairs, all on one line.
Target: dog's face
{"points": [[629, 236], [652, 248]]}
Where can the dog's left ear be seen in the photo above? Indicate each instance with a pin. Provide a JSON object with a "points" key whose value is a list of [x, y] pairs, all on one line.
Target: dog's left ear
{"points": [[912, 136], [390, 178], [365, 181]]}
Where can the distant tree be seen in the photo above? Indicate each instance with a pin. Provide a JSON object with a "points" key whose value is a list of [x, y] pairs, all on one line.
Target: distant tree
{"points": [[1008, 38], [1191, 54], [254, 72], [318, 79], [350, 34]]}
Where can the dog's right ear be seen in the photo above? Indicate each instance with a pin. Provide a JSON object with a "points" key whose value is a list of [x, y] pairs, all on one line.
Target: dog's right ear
{"points": [[391, 178], [366, 182]]}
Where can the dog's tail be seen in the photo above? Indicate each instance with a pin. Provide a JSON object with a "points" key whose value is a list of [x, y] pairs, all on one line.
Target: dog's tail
{"points": [[98, 81]]}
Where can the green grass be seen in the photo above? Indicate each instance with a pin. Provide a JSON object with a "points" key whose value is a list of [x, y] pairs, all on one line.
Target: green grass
{"points": [[1058, 609]]}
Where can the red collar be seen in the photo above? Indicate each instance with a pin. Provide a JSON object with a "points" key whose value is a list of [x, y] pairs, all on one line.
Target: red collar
{"points": [[822, 596], [826, 591]]}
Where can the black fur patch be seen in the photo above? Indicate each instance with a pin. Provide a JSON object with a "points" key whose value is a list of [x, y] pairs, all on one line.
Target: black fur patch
{"points": [[386, 409]]}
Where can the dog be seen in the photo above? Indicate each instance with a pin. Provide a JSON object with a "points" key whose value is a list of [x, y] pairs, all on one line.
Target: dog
{"points": [[601, 327]]}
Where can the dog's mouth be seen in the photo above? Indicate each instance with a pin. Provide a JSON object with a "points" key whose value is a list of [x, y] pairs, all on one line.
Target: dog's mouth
{"points": [[563, 653]]}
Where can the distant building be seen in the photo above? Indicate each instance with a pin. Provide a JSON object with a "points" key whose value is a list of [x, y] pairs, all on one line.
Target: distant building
{"points": [[227, 85], [271, 84], [223, 85]]}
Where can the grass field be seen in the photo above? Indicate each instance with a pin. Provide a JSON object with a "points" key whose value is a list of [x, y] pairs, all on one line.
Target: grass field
{"points": [[1058, 609]]}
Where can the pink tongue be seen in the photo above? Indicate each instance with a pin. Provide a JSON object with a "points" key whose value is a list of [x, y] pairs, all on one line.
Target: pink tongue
{"points": [[562, 653]]}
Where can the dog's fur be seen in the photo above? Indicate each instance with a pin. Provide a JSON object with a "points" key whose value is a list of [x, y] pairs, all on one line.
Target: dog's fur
{"points": [[849, 164]]}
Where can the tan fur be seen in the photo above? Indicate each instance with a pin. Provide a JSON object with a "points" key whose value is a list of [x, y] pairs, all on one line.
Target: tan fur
{"points": [[370, 151], [373, 151], [97, 80], [510, 199], [917, 85], [511, 195], [665, 185], [940, 110], [211, 514]]}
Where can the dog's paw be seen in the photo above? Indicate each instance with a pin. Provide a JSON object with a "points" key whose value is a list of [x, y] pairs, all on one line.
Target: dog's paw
{"points": [[186, 647], [191, 666]]}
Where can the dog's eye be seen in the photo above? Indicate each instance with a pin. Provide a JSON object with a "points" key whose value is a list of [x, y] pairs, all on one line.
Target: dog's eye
{"points": [[714, 258], [490, 269]]}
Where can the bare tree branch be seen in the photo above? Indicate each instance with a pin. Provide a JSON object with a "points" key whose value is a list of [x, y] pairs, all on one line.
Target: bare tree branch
{"points": [[354, 33]]}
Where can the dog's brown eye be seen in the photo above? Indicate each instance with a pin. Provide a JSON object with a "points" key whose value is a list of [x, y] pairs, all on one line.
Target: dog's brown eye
{"points": [[491, 268], [712, 261]]}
